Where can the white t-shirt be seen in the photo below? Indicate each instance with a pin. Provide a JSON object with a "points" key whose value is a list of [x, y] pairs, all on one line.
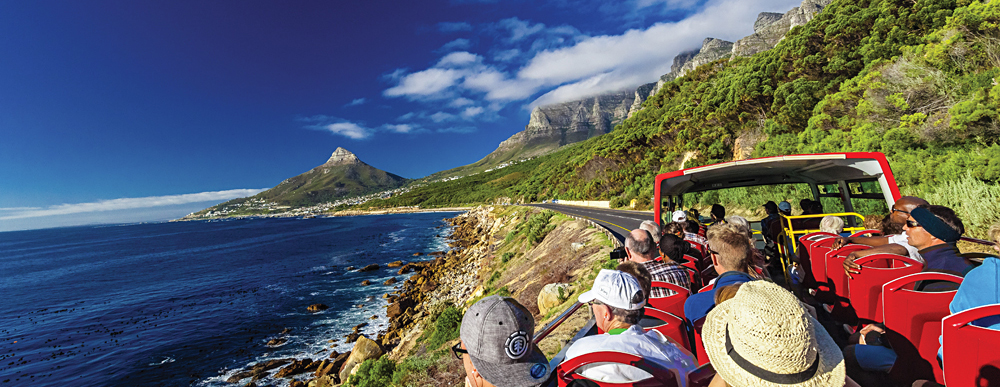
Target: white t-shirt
{"points": [[651, 346], [900, 239]]}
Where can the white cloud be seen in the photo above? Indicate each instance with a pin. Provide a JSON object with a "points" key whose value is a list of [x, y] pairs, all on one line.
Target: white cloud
{"points": [[133, 203], [19, 208], [519, 29], [507, 55], [350, 130], [356, 102], [458, 129], [454, 26], [399, 128], [457, 44], [458, 102], [440, 117], [667, 4], [425, 83], [459, 59], [472, 111], [408, 116]]}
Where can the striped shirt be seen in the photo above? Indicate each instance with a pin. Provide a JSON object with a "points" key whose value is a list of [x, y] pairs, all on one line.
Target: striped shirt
{"points": [[667, 272]]}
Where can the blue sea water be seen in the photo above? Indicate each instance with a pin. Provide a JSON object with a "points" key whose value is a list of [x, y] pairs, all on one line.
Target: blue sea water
{"points": [[192, 303]]}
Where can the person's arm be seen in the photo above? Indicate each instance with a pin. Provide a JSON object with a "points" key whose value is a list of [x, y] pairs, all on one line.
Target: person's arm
{"points": [[853, 268], [848, 382], [717, 381], [867, 241]]}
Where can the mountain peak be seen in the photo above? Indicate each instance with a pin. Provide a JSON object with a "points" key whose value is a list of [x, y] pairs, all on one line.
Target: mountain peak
{"points": [[342, 156]]}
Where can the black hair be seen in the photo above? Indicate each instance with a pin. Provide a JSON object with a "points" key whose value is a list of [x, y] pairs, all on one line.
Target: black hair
{"points": [[948, 216], [718, 212], [691, 226], [673, 248]]}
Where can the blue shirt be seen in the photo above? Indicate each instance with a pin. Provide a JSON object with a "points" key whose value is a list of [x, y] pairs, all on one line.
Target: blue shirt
{"points": [[698, 305]]}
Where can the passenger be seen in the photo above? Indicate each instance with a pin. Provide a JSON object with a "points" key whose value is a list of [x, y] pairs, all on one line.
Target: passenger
{"points": [[806, 206], [653, 228], [934, 230], [639, 249], [874, 222], [496, 345], [889, 243], [832, 224], [730, 250], [785, 208], [771, 211], [763, 337], [691, 230], [616, 301], [679, 216], [640, 273], [718, 214], [816, 207], [775, 229], [758, 259], [674, 228]]}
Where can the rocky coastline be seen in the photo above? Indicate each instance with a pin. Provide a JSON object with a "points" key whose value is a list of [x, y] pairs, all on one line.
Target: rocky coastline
{"points": [[483, 258]]}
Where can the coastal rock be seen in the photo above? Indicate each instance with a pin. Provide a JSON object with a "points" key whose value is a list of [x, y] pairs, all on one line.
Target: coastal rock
{"points": [[417, 254], [276, 342], [349, 268], [297, 383], [371, 267], [359, 326], [363, 350], [428, 286], [437, 254], [317, 308], [366, 283], [323, 381], [552, 295], [286, 331], [394, 264], [390, 281], [297, 367], [352, 337]]}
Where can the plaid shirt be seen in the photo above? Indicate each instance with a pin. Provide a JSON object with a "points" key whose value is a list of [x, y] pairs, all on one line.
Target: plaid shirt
{"points": [[695, 238], [667, 272]]}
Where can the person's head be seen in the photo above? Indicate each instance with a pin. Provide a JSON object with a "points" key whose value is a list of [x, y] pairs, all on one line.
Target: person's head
{"points": [[695, 214], [742, 223], [496, 345], [679, 216], [932, 225], [785, 208], [616, 299], [691, 226], [764, 337], [674, 228], [673, 247], [831, 224], [639, 246], [994, 234], [718, 212], [726, 293], [770, 208], [901, 209], [653, 228], [806, 206], [729, 248], [640, 273], [873, 222]]}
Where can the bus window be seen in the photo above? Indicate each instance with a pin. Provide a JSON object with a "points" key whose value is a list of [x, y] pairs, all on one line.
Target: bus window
{"points": [[867, 198]]}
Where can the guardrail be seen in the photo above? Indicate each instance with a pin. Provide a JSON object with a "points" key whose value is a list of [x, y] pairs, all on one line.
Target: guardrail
{"points": [[611, 236]]}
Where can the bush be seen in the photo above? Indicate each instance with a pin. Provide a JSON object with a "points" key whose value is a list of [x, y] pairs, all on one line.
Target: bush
{"points": [[373, 373], [446, 327], [506, 257], [618, 202]]}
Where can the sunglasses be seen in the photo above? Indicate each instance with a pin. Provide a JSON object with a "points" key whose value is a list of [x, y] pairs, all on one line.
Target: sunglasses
{"points": [[458, 351], [912, 224], [900, 211]]}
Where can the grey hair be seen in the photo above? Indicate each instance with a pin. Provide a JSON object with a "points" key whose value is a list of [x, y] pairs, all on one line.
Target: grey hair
{"points": [[628, 316], [642, 248], [831, 224], [742, 223], [653, 228]]}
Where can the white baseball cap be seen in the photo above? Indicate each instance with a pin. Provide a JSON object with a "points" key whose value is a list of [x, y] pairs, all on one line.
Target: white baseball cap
{"points": [[679, 216], [617, 289]]}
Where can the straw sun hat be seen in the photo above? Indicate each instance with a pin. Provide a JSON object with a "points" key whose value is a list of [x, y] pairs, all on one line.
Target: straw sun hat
{"points": [[763, 337]]}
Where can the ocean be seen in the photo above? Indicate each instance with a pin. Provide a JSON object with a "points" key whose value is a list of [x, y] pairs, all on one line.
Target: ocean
{"points": [[192, 303]]}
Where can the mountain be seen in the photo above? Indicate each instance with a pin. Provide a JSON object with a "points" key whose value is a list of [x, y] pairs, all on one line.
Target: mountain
{"points": [[553, 126], [342, 176]]}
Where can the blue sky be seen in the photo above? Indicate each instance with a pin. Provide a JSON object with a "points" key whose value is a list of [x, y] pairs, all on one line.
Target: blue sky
{"points": [[140, 110]]}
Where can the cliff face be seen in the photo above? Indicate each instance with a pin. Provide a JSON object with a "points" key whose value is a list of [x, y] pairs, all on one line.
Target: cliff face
{"points": [[770, 27], [565, 123]]}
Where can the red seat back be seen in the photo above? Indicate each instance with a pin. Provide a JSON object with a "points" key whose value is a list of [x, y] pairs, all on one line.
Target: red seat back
{"points": [[670, 304], [971, 354], [914, 319], [699, 345], [707, 288], [673, 326], [835, 275], [566, 371], [810, 239], [702, 376], [694, 273], [817, 259], [868, 232], [877, 269]]}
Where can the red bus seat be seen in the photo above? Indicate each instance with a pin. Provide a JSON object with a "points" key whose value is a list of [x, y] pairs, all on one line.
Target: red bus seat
{"points": [[971, 354], [913, 320], [566, 371], [670, 304], [708, 274], [866, 288], [868, 232], [707, 288], [810, 239], [673, 326], [702, 376], [836, 277], [693, 273], [699, 346]]}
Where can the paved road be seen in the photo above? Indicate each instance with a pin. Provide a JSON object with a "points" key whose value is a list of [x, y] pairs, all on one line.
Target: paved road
{"points": [[620, 222]]}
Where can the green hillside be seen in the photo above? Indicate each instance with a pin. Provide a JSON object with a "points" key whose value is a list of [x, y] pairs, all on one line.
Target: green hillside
{"points": [[915, 80]]}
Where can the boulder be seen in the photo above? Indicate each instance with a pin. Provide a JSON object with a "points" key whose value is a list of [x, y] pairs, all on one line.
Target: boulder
{"points": [[323, 381], [317, 307], [371, 267], [437, 253], [349, 268], [428, 287], [352, 337], [365, 349], [297, 383], [390, 281], [394, 264], [359, 326], [276, 342], [374, 317], [297, 367], [551, 296], [366, 283], [417, 254], [286, 331]]}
